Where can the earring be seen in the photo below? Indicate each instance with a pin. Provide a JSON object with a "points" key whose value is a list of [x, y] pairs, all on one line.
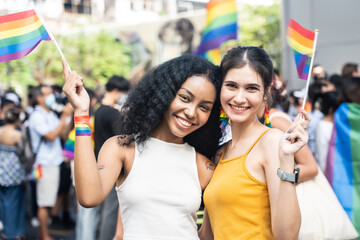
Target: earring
{"points": [[266, 117], [223, 119]]}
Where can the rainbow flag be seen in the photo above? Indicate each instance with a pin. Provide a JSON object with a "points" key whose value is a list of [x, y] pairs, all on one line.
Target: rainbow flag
{"points": [[20, 33], [221, 26], [343, 160], [301, 41], [69, 146], [36, 173]]}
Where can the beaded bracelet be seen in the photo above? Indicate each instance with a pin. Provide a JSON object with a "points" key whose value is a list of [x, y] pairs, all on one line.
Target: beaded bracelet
{"points": [[82, 125]]}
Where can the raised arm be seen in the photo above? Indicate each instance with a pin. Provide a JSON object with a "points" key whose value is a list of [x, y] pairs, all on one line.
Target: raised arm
{"points": [[93, 181], [304, 158], [285, 212]]}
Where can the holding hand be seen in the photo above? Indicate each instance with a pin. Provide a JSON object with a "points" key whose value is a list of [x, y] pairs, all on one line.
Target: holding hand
{"points": [[75, 91], [296, 136]]}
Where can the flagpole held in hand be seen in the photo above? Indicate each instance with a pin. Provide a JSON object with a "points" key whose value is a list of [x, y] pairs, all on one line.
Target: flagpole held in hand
{"points": [[52, 37], [311, 65]]}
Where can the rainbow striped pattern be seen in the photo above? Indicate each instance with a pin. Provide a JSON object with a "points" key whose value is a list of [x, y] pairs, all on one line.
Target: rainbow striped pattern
{"points": [[343, 161], [82, 126], [69, 146], [20, 33], [223, 119], [301, 41], [36, 173], [266, 118], [221, 26]]}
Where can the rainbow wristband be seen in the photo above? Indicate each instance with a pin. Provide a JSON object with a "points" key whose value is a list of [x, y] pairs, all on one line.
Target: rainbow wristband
{"points": [[82, 126]]}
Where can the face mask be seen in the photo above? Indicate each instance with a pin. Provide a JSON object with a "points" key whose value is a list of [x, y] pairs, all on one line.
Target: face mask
{"points": [[50, 100], [122, 99], [22, 116]]}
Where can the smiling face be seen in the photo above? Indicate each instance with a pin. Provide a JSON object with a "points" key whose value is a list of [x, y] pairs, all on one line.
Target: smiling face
{"points": [[189, 110], [242, 94]]}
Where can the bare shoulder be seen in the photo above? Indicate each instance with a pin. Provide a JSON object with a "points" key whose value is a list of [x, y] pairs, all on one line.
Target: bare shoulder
{"points": [[205, 168], [117, 148], [270, 143]]}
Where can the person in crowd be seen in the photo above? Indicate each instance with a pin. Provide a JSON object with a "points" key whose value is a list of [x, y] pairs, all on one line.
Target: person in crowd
{"points": [[45, 128], [343, 158], [350, 70], [248, 196], [328, 105], [12, 177], [318, 73], [315, 114], [169, 129], [9, 100], [106, 125], [294, 105], [333, 84]]}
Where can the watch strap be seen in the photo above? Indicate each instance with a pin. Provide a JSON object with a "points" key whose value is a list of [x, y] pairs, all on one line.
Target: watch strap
{"points": [[290, 177]]}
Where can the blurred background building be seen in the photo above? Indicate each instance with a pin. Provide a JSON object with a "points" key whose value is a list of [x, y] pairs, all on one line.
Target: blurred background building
{"points": [[338, 41]]}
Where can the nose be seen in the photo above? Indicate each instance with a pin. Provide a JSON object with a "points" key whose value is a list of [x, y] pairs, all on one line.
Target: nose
{"points": [[239, 97], [190, 112]]}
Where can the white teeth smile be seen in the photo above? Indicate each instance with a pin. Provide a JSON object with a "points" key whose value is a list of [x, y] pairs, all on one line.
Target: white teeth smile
{"points": [[238, 108], [183, 122]]}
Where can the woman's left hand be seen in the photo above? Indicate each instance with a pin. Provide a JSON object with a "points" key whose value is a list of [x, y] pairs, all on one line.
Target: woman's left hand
{"points": [[296, 136]]}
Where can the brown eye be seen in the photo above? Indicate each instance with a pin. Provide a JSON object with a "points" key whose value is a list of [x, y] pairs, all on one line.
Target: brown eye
{"points": [[205, 108], [184, 98]]}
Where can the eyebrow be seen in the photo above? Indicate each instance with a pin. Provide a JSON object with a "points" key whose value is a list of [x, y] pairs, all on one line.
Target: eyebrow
{"points": [[192, 95], [254, 84]]}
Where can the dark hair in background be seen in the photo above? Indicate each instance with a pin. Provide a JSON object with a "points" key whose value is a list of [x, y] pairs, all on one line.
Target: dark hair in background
{"points": [[348, 69], [12, 115], [279, 100], [350, 91], [296, 99], [117, 82], [314, 93], [5, 102], [37, 91], [328, 101], [146, 105], [337, 80], [257, 58]]}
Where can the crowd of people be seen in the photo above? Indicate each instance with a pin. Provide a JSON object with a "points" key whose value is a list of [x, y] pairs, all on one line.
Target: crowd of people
{"points": [[141, 159]]}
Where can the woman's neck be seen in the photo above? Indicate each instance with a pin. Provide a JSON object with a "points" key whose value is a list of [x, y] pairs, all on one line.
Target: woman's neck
{"points": [[241, 131], [166, 136]]}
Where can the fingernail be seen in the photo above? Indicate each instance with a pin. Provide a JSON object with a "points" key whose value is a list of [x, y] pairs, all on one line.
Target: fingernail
{"points": [[288, 131], [287, 137]]}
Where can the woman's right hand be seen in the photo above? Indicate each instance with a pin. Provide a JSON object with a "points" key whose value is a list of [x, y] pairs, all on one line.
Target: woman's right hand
{"points": [[75, 91]]}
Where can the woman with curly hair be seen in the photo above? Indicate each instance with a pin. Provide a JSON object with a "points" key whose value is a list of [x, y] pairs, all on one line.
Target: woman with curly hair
{"points": [[252, 193], [170, 127]]}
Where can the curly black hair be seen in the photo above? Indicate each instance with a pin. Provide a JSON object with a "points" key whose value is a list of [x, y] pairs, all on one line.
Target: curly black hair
{"points": [[146, 105]]}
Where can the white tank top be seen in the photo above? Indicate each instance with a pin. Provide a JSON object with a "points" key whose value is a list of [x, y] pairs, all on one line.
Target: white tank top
{"points": [[161, 194]]}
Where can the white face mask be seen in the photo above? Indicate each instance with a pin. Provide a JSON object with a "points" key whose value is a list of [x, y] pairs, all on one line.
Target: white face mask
{"points": [[122, 99], [22, 116], [50, 100]]}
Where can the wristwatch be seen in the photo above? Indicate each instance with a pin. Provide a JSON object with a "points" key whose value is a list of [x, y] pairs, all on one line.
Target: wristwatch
{"points": [[290, 177]]}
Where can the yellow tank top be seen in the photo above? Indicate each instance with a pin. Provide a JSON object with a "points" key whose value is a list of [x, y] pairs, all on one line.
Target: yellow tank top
{"points": [[237, 203]]}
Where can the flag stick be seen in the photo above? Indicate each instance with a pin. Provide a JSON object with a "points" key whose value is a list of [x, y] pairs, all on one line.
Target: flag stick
{"points": [[310, 69], [52, 37]]}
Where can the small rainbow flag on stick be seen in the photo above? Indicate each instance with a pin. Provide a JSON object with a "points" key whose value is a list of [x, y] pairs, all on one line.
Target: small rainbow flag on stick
{"points": [[303, 43], [221, 26], [343, 160], [36, 173], [20, 33]]}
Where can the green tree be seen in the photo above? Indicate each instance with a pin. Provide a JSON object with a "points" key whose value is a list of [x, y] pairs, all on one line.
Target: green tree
{"points": [[260, 25]]}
